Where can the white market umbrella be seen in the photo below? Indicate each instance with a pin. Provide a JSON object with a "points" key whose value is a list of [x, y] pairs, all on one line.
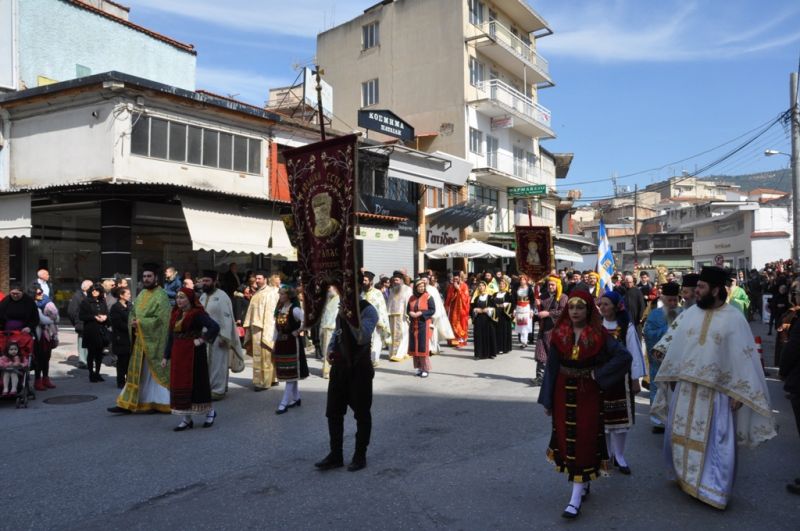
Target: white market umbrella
{"points": [[471, 248]]}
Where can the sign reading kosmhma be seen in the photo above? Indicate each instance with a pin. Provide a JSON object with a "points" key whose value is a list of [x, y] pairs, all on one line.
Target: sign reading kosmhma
{"points": [[386, 122]]}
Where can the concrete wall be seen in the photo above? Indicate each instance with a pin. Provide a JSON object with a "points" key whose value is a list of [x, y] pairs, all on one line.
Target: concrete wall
{"points": [[55, 36]]}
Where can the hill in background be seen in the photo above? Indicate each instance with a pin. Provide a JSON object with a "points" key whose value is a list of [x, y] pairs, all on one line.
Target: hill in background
{"points": [[778, 180]]}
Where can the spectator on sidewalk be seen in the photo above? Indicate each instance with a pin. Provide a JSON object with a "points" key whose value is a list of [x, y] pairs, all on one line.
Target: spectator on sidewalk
{"points": [[94, 314], [43, 279], [72, 313], [46, 338], [120, 333], [18, 311]]}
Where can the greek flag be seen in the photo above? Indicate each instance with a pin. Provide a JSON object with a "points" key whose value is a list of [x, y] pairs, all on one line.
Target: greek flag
{"points": [[605, 259]]}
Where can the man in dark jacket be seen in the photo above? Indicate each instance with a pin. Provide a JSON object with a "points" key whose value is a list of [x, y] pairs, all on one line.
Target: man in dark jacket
{"points": [[120, 334], [790, 374], [72, 313], [18, 311], [634, 302]]}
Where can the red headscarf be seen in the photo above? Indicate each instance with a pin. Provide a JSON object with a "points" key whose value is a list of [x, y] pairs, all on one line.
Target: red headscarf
{"points": [[194, 309], [593, 336]]}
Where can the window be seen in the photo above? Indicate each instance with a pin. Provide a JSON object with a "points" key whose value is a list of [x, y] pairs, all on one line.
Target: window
{"points": [[178, 142], [369, 92], [620, 246], [475, 141], [492, 145], [485, 196], [475, 12], [530, 165], [476, 72], [370, 35], [519, 162]]}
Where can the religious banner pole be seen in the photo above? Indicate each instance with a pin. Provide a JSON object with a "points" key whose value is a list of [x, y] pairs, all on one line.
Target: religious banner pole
{"points": [[318, 73]]}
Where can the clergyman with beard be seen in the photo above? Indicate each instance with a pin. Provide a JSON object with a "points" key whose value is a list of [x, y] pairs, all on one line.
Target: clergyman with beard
{"points": [[226, 348], [147, 384], [711, 392]]}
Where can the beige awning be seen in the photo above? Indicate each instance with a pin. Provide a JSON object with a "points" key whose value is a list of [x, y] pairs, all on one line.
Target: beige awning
{"points": [[230, 225], [15, 216]]}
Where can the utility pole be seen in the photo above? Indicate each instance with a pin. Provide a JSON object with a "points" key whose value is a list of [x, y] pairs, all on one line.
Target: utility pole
{"points": [[635, 226], [795, 117]]}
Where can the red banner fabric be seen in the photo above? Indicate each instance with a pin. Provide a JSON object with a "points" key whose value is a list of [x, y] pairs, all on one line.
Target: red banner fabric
{"points": [[322, 183], [535, 255]]}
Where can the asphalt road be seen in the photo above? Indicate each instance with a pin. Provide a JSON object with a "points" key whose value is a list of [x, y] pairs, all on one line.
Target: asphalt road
{"points": [[463, 449]]}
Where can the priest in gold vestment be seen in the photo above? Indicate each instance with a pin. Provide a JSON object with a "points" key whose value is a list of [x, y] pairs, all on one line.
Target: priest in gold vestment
{"points": [[711, 394], [259, 326]]}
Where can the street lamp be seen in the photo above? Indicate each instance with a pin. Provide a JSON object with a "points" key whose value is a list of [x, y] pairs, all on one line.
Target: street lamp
{"points": [[771, 152], [795, 206]]}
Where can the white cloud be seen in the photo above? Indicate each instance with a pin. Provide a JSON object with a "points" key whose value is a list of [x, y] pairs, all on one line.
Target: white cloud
{"points": [[238, 84], [301, 18], [628, 31]]}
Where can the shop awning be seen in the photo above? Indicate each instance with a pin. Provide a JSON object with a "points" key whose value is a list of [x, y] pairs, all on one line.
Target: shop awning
{"points": [[460, 215], [215, 225], [431, 169], [562, 253], [15, 216]]}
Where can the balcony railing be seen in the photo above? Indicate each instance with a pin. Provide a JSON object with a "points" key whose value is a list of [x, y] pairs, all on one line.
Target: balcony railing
{"points": [[514, 44], [513, 100]]}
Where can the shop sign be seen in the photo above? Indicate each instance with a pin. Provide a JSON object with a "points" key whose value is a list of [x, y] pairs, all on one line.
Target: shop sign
{"points": [[436, 236], [382, 234], [386, 122], [526, 191], [502, 122]]}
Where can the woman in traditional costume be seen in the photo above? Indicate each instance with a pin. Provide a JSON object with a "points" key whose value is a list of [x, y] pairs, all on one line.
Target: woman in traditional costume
{"points": [[190, 386], [583, 360], [618, 402], [483, 325], [504, 314], [289, 355], [420, 312], [549, 309], [524, 311]]}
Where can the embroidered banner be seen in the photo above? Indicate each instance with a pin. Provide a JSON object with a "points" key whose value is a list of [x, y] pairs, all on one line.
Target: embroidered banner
{"points": [[322, 184], [535, 255]]}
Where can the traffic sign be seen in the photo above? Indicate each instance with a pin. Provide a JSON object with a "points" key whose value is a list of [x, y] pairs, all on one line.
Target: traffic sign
{"points": [[523, 191]]}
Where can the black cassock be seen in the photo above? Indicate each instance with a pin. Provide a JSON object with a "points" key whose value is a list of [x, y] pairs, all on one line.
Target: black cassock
{"points": [[483, 329], [503, 322]]}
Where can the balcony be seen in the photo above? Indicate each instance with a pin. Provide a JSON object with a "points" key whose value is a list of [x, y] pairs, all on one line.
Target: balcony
{"points": [[497, 99], [509, 51]]}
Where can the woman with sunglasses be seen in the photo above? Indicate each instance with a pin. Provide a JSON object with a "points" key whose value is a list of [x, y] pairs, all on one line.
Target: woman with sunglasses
{"points": [[583, 360], [46, 338]]}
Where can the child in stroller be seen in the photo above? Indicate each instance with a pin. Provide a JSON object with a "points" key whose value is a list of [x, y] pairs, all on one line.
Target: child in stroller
{"points": [[11, 364]]}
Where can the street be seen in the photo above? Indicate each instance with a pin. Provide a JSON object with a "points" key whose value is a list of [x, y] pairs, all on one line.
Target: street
{"points": [[463, 449]]}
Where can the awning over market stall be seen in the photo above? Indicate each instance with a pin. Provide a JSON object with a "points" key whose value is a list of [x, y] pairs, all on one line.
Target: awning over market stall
{"points": [[236, 228], [15, 216], [562, 253], [471, 248]]}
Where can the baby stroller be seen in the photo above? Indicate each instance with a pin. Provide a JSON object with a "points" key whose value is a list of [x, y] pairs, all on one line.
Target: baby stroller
{"points": [[25, 343]]}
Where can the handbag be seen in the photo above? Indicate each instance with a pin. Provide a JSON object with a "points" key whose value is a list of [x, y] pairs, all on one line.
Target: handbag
{"points": [[522, 321]]}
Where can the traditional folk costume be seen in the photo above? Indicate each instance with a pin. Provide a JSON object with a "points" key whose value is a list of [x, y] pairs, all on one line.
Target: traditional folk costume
{"points": [[420, 330], [483, 326], [327, 324], [554, 304], [226, 351], [524, 313], [457, 309], [396, 308], [190, 388], [504, 315], [578, 370], [383, 330], [619, 407], [289, 354], [440, 324], [711, 359], [147, 384], [656, 325], [259, 325]]}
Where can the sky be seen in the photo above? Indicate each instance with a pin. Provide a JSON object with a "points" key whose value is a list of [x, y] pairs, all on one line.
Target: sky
{"points": [[641, 86]]}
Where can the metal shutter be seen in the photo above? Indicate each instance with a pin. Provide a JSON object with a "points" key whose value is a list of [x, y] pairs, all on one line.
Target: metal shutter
{"points": [[382, 257]]}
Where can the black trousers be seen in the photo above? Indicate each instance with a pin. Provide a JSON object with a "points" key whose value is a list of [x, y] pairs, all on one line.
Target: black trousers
{"points": [[123, 358], [41, 358], [94, 359], [795, 400], [350, 386]]}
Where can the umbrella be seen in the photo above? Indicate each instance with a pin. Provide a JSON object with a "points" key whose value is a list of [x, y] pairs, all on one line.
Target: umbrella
{"points": [[471, 248]]}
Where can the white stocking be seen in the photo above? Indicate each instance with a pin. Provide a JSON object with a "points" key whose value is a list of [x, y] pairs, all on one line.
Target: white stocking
{"points": [[618, 443], [575, 500]]}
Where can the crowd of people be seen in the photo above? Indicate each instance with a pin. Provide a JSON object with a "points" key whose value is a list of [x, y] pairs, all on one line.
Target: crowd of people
{"points": [[594, 349]]}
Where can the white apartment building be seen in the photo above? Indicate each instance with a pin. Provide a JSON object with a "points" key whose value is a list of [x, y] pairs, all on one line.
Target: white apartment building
{"points": [[466, 75]]}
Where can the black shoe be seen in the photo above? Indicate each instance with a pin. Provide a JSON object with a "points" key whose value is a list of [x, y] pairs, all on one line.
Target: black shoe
{"points": [[93, 378], [119, 410], [569, 515], [208, 423], [658, 429], [296, 403], [794, 488], [259, 389], [281, 411], [797, 481], [625, 470], [120, 385], [330, 462], [99, 378], [184, 426], [357, 464]]}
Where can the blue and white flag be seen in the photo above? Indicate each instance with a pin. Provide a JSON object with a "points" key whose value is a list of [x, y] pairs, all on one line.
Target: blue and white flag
{"points": [[605, 259]]}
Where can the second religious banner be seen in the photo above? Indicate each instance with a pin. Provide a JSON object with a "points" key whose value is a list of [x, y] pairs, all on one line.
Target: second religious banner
{"points": [[322, 183], [535, 256]]}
